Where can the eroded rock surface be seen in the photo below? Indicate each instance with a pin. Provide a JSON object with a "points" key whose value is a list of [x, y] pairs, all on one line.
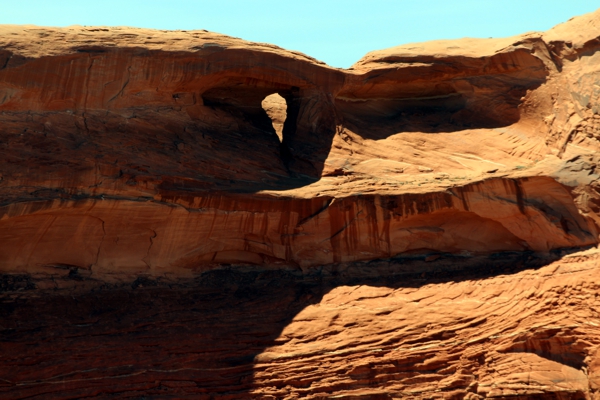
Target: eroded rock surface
{"points": [[134, 156], [411, 329]]}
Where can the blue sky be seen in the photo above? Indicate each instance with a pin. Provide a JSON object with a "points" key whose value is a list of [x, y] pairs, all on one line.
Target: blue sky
{"points": [[338, 32]]}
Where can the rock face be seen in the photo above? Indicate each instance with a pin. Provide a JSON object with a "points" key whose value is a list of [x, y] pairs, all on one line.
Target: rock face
{"points": [[124, 236], [134, 157], [496, 331], [143, 152]]}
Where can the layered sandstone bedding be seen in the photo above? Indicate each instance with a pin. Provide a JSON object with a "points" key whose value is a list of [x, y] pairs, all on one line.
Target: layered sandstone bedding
{"points": [[183, 213]]}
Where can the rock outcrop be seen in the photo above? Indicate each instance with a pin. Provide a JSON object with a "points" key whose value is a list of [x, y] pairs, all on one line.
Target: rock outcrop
{"points": [[182, 159], [141, 151]]}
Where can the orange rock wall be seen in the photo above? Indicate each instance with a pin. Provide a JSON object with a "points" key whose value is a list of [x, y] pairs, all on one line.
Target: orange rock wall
{"points": [[131, 157], [112, 236], [422, 225]]}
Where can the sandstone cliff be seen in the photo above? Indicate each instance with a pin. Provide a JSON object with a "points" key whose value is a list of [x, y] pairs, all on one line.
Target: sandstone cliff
{"points": [[136, 157]]}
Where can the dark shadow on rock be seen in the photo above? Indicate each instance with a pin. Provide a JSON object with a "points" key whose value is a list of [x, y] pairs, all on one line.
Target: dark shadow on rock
{"points": [[438, 113], [221, 140], [379, 119], [315, 116], [188, 339], [308, 132]]}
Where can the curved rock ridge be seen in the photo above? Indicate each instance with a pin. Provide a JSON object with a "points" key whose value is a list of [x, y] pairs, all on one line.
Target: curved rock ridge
{"points": [[480, 81]]}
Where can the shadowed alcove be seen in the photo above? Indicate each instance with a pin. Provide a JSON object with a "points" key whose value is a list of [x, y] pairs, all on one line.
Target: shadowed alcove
{"points": [[300, 123]]}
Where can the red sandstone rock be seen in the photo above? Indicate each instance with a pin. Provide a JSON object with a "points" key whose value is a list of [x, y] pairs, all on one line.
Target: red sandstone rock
{"points": [[528, 334], [127, 150], [162, 158], [532, 333]]}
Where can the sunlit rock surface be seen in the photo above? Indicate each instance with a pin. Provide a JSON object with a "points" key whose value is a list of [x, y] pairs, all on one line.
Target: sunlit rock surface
{"points": [[183, 213]]}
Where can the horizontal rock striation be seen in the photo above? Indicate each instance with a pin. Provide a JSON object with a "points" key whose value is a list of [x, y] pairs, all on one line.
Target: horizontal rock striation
{"points": [[115, 235], [474, 81]]}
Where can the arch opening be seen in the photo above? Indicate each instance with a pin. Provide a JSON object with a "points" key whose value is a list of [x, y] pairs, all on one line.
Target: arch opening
{"points": [[260, 108], [276, 108]]}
